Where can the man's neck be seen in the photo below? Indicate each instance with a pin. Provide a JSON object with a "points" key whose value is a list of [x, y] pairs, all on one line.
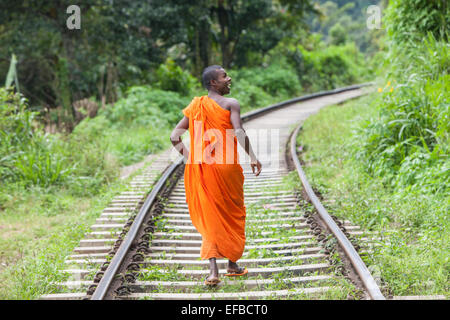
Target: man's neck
{"points": [[214, 93]]}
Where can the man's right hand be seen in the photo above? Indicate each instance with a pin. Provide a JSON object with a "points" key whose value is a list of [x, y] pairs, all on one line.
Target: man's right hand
{"points": [[256, 164]]}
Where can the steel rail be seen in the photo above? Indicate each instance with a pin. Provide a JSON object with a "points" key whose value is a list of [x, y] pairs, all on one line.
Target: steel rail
{"points": [[256, 113], [116, 261], [118, 258], [364, 273]]}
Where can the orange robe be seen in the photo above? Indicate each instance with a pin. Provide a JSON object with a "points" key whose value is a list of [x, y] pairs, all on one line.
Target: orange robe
{"points": [[214, 181]]}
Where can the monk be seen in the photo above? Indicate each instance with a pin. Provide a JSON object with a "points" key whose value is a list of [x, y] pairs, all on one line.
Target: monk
{"points": [[213, 176]]}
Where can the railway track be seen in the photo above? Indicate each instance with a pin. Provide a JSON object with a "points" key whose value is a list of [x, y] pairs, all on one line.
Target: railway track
{"points": [[144, 246]]}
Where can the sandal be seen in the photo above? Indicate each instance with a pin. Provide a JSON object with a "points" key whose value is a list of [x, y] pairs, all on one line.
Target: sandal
{"points": [[237, 274]]}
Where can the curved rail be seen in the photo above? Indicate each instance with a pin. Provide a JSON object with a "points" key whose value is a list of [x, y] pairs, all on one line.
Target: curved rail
{"points": [[256, 113], [364, 273], [113, 267]]}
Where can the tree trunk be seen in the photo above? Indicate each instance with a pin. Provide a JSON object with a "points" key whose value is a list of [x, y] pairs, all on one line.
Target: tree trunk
{"points": [[204, 45], [111, 81], [64, 97], [198, 63], [222, 16], [101, 86]]}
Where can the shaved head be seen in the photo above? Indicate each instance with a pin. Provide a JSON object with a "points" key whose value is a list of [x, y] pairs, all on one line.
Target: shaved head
{"points": [[210, 73]]}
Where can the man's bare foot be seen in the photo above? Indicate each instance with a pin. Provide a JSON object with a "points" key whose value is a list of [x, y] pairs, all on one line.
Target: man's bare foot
{"points": [[212, 280]]}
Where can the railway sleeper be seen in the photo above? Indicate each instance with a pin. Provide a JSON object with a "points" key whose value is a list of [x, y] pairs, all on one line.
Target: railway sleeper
{"points": [[242, 262], [261, 272], [192, 256], [276, 294], [198, 236], [188, 286]]}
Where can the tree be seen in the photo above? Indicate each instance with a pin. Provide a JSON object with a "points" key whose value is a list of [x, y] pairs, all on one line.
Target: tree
{"points": [[121, 42], [226, 29], [57, 66], [338, 35]]}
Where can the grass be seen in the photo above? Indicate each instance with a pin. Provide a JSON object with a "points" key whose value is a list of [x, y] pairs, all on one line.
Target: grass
{"points": [[131, 145], [40, 228], [413, 259], [38, 234]]}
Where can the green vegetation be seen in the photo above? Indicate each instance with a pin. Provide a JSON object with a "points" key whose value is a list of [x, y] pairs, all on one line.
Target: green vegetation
{"points": [[137, 65], [342, 21], [155, 43], [383, 161], [408, 22], [39, 229], [407, 142], [330, 67], [412, 258], [30, 157], [120, 45]]}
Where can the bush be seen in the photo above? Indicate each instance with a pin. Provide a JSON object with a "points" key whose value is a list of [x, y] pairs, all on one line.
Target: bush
{"points": [[147, 107], [132, 108], [30, 157], [40, 163], [131, 145], [171, 77], [328, 68], [249, 96], [25, 153], [408, 144], [338, 34], [276, 80], [16, 123], [170, 104], [136, 125], [409, 21]]}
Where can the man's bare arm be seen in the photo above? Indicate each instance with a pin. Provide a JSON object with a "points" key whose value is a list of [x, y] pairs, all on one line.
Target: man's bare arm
{"points": [[241, 135], [175, 137]]}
